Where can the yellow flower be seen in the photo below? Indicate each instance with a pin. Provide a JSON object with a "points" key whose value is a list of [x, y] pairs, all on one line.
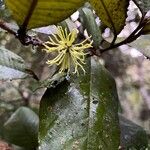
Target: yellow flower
{"points": [[68, 53]]}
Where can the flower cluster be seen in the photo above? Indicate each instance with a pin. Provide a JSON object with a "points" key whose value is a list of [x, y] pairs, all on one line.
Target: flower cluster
{"points": [[68, 53]]}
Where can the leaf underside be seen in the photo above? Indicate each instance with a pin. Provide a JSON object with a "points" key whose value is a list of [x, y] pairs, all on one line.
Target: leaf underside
{"points": [[113, 13], [44, 12]]}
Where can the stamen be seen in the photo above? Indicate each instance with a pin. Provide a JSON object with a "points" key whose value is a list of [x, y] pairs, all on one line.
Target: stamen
{"points": [[69, 54]]}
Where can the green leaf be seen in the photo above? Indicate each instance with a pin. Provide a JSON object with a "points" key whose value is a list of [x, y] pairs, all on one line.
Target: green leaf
{"points": [[143, 45], [132, 135], [144, 5], [113, 13], [38, 13], [81, 114], [89, 23], [22, 128], [12, 66], [67, 24]]}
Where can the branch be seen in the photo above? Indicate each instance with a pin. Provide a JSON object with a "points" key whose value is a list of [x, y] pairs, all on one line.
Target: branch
{"points": [[21, 33], [24, 39], [23, 27], [27, 40], [4, 27], [126, 41], [132, 37]]}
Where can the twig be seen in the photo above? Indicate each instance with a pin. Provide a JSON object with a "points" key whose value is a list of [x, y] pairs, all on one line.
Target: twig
{"points": [[27, 40], [29, 15], [24, 39], [133, 36], [21, 33], [4, 27]]}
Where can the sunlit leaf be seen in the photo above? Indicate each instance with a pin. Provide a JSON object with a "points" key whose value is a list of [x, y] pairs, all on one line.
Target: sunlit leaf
{"points": [[81, 114], [42, 13], [113, 13]]}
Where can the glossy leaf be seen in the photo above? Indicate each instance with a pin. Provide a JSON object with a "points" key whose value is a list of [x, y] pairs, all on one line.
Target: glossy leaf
{"points": [[142, 44], [50, 82], [22, 128], [81, 114], [113, 13], [12, 66], [89, 23], [38, 13]]}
